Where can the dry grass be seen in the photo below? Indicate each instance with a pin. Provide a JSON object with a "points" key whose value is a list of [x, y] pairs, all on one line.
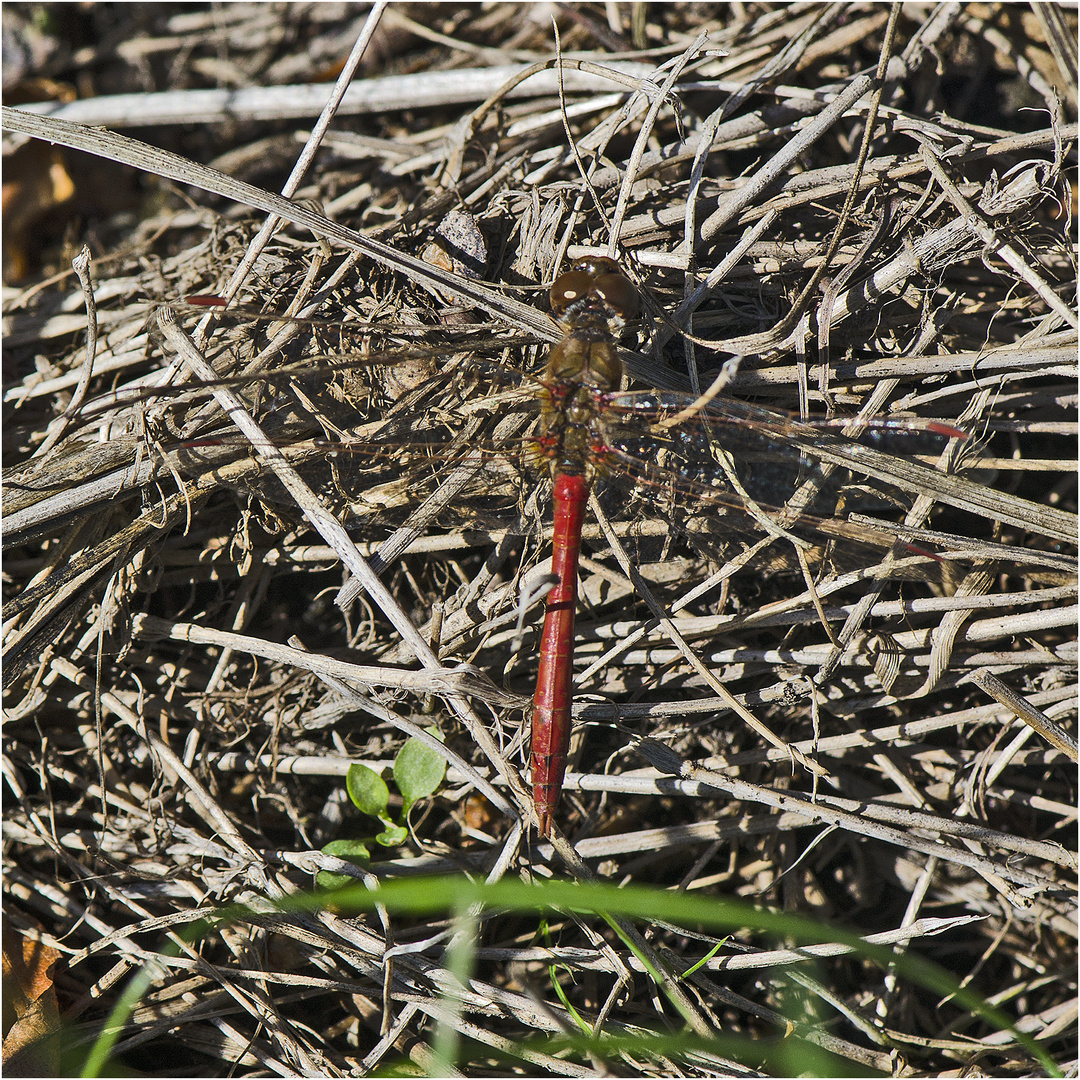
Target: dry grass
{"points": [[167, 751]]}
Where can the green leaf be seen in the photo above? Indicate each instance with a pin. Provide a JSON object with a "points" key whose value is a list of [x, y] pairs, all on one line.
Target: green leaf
{"points": [[354, 851], [705, 959], [393, 835], [553, 972], [367, 790], [418, 771]]}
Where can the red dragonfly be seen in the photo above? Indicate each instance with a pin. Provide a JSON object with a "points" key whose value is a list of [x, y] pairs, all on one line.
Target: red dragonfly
{"points": [[723, 459], [583, 436], [590, 430]]}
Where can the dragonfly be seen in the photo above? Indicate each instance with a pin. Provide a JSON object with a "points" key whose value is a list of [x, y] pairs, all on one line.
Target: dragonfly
{"points": [[584, 435], [590, 430], [740, 461]]}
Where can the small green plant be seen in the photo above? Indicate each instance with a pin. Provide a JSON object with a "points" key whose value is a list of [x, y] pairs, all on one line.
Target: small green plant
{"points": [[418, 772]]}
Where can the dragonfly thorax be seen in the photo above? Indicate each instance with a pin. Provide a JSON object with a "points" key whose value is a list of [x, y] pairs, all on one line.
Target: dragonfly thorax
{"points": [[571, 420], [586, 357], [581, 370]]}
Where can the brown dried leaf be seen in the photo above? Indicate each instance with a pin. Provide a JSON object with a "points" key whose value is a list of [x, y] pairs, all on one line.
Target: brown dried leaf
{"points": [[31, 1014]]}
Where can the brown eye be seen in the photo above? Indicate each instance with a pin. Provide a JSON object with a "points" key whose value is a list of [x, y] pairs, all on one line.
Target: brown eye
{"points": [[617, 293], [568, 289]]}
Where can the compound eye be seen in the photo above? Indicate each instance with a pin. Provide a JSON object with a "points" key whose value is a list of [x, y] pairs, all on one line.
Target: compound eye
{"points": [[568, 289], [617, 293]]}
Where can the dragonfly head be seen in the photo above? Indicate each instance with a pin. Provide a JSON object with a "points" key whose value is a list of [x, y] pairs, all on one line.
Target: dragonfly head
{"points": [[595, 292]]}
